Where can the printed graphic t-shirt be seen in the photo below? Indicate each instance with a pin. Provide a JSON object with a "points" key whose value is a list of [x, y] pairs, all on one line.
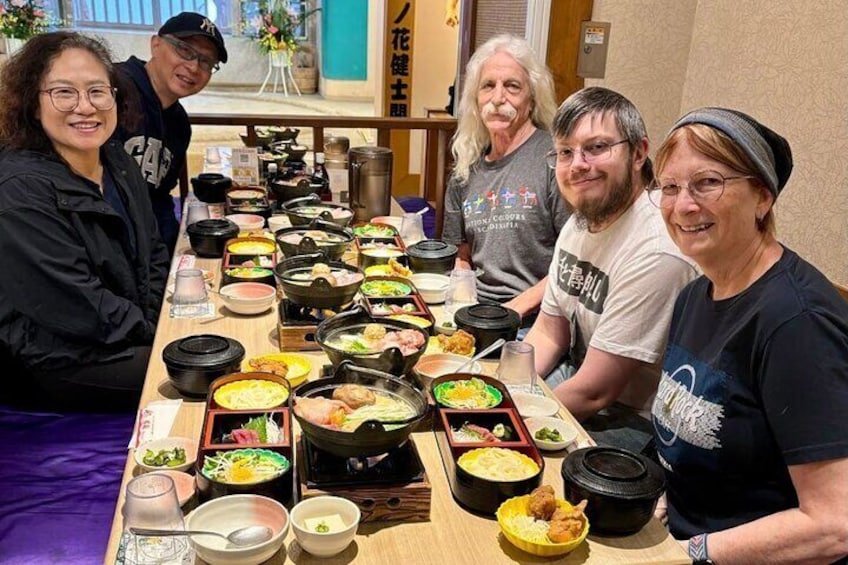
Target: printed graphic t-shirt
{"points": [[509, 212], [750, 385]]}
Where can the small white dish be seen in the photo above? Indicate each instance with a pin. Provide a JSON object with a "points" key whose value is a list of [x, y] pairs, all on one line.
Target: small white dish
{"points": [[247, 222], [248, 297], [167, 443], [435, 365], [534, 405], [432, 287], [335, 509], [278, 222], [565, 429]]}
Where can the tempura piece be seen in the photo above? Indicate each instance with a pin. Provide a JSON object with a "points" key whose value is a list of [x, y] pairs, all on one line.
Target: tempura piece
{"points": [[567, 525], [355, 396], [543, 502]]}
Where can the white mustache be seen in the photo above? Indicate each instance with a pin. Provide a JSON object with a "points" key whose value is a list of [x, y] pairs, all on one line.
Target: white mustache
{"points": [[506, 110]]}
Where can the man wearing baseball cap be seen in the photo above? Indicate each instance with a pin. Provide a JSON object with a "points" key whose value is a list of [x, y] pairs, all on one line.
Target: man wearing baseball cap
{"points": [[184, 54]]}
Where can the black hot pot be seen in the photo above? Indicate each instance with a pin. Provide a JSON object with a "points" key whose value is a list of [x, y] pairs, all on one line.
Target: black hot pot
{"points": [[487, 323], [194, 362], [211, 187], [622, 488], [432, 256], [293, 274], [317, 237], [209, 237], [371, 437]]}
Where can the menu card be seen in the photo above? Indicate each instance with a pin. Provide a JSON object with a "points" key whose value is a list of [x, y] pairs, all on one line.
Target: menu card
{"points": [[245, 165]]}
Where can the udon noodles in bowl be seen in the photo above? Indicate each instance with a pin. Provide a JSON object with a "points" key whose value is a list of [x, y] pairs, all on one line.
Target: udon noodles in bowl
{"points": [[498, 464]]}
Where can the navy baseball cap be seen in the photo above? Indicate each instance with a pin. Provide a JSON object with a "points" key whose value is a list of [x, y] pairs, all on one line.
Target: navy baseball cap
{"points": [[188, 24]]}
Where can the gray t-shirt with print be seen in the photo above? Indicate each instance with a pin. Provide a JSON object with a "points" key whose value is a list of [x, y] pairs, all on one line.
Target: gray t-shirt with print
{"points": [[509, 212]]}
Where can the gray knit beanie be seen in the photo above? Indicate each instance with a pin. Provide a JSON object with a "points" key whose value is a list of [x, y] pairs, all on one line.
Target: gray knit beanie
{"points": [[769, 152]]}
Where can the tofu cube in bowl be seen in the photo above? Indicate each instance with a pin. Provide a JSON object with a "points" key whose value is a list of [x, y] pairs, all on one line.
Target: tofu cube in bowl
{"points": [[325, 525]]}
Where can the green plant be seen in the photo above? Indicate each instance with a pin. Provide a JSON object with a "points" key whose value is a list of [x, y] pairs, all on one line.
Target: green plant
{"points": [[276, 24], [22, 19]]}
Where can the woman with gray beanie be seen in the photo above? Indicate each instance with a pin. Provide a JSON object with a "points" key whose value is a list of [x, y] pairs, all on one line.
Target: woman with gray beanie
{"points": [[750, 414]]}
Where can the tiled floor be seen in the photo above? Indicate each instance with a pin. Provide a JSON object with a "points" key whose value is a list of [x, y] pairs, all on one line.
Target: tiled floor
{"points": [[248, 102]]}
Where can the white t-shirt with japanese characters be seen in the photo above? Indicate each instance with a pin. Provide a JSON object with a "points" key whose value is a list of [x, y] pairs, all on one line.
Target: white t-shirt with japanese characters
{"points": [[617, 289]]}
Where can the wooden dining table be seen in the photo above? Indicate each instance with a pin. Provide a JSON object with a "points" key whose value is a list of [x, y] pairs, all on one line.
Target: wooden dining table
{"points": [[452, 535]]}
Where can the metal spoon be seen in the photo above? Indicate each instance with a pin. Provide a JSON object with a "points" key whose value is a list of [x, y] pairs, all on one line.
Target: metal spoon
{"points": [[249, 535], [498, 343]]}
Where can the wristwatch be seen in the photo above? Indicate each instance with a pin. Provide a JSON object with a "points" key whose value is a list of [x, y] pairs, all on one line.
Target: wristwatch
{"points": [[698, 550]]}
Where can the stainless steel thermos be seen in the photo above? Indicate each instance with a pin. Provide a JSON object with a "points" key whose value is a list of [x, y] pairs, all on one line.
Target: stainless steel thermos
{"points": [[370, 181]]}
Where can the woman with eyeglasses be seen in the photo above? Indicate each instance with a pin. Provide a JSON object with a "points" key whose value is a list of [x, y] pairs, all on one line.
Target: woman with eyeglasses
{"points": [[84, 268], [750, 413]]}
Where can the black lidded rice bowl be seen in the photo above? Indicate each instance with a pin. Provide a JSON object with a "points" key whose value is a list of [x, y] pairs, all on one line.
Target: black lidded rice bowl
{"points": [[371, 437], [195, 361], [209, 238]]}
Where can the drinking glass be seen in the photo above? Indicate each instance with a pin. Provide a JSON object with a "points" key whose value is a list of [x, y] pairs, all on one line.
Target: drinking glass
{"points": [[196, 211], [190, 296], [151, 502], [412, 228], [517, 369], [462, 290]]}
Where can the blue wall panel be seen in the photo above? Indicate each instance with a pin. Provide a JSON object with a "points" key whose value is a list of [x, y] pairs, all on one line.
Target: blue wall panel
{"points": [[344, 39]]}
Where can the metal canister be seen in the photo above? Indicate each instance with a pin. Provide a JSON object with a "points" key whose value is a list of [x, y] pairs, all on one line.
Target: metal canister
{"points": [[370, 181], [336, 145]]}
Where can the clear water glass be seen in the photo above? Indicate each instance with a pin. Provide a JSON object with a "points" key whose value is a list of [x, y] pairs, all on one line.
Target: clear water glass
{"points": [[196, 211], [151, 502], [412, 228], [517, 369], [190, 296], [462, 290]]}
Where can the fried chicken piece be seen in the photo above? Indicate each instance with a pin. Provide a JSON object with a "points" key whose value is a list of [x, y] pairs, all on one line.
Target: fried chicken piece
{"points": [[543, 502], [566, 525], [461, 342], [355, 396], [276, 366]]}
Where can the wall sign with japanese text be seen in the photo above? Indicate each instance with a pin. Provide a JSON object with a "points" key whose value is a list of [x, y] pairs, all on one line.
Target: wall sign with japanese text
{"points": [[400, 19]]}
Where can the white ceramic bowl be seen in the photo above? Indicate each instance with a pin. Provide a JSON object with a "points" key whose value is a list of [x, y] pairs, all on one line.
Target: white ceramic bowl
{"points": [[534, 405], [566, 430], [183, 482], [157, 445], [330, 543], [433, 287], [279, 222], [248, 297], [228, 513], [435, 365], [247, 222]]}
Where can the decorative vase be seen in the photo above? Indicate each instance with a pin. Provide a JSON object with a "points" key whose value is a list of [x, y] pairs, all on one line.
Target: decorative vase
{"points": [[13, 45], [280, 58]]}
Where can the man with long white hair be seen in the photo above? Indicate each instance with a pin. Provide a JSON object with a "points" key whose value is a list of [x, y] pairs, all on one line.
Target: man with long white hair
{"points": [[503, 209]]}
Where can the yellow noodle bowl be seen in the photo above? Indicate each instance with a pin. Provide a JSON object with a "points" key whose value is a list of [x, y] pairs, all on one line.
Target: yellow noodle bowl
{"points": [[498, 464]]}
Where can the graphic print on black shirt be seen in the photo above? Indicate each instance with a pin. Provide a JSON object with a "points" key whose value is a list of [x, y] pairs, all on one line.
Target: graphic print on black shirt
{"points": [[584, 280]]}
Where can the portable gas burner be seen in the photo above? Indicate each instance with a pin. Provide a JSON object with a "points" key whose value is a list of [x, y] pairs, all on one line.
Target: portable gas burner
{"points": [[390, 486], [298, 324]]}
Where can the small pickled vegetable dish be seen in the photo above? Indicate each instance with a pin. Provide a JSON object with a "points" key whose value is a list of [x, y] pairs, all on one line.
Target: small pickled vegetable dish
{"points": [[249, 272], [260, 429], [374, 230], [250, 394], [467, 393], [244, 466], [165, 457], [548, 434], [472, 433], [351, 405], [251, 247], [385, 288], [498, 464]]}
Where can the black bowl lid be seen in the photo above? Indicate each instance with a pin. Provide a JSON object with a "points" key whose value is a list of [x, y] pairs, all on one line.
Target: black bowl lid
{"points": [[488, 317], [613, 471], [212, 179], [217, 227], [432, 249], [203, 351]]}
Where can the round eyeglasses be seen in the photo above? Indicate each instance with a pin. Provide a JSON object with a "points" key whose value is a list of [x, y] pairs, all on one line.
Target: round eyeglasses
{"points": [[703, 186], [591, 152], [189, 53], [67, 98]]}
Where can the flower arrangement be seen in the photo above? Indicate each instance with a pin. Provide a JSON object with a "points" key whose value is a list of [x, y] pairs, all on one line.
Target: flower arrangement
{"points": [[22, 19], [277, 24]]}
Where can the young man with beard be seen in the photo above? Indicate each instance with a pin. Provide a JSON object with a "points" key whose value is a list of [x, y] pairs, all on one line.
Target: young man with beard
{"points": [[614, 275], [184, 55]]}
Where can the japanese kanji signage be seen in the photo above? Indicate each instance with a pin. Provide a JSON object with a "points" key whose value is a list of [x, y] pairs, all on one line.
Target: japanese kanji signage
{"points": [[397, 97]]}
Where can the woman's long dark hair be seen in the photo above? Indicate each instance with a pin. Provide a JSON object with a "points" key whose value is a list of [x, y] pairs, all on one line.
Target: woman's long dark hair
{"points": [[20, 81]]}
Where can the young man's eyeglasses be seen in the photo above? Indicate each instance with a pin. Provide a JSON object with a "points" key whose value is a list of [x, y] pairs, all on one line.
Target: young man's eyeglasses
{"points": [[703, 186], [591, 152], [189, 53], [67, 98]]}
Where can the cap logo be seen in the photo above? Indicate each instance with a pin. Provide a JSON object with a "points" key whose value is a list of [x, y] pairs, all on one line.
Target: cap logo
{"points": [[208, 26]]}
